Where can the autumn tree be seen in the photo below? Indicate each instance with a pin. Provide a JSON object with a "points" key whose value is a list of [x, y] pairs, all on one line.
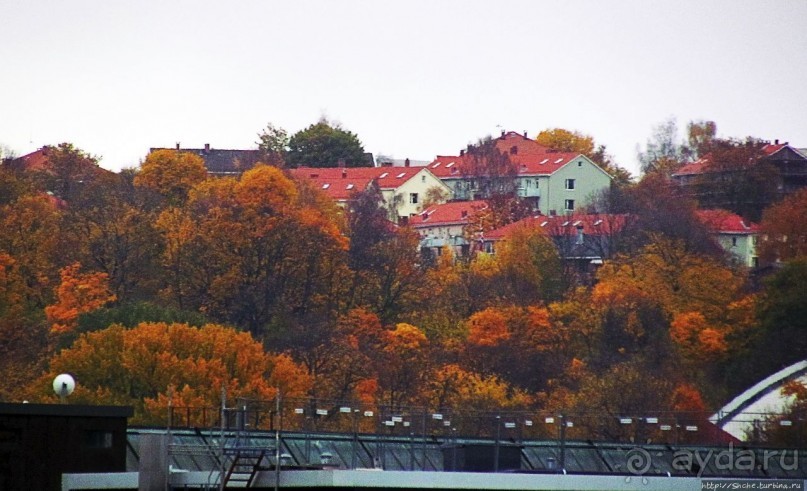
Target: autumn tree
{"points": [[23, 334], [453, 388], [273, 143], [772, 431], [383, 258], [110, 228], [326, 144], [783, 318], [664, 298], [489, 170], [782, 229], [68, 170], [575, 142], [29, 233], [336, 353], [736, 177], [659, 207], [700, 137], [529, 266], [663, 153], [521, 346], [233, 252], [171, 173], [76, 294], [402, 365], [154, 362]]}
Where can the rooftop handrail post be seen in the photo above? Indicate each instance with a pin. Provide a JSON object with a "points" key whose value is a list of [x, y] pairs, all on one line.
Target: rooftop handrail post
{"points": [[562, 431], [496, 446], [277, 439]]}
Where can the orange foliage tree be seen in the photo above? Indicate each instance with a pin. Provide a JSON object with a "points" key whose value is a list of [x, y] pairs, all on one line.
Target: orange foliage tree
{"points": [[783, 228], [154, 362], [76, 294]]}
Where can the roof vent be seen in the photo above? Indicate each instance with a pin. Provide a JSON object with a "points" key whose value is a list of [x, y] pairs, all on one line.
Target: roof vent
{"points": [[544, 161], [401, 175], [559, 161], [382, 176]]}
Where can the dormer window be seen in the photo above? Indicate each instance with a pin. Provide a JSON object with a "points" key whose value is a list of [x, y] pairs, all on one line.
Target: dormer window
{"points": [[401, 175], [382, 176]]}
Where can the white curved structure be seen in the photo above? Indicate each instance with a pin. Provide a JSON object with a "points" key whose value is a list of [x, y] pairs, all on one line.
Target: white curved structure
{"points": [[738, 416]]}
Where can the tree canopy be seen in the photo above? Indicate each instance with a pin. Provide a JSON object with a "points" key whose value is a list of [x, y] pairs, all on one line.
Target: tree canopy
{"points": [[326, 145]]}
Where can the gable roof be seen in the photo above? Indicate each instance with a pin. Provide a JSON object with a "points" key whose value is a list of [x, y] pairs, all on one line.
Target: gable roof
{"points": [[341, 182], [773, 151], [565, 225], [532, 158], [37, 161], [454, 213], [726, 222]]}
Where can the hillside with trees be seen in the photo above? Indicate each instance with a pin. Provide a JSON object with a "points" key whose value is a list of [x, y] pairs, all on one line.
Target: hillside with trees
{"points": [[161, 284]]}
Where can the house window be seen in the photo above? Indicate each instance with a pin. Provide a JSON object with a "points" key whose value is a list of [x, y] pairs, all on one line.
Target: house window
{"points": [[423, 178], [579, 163], [569, 205], [413, 198], [569, 183], [734, 242]]}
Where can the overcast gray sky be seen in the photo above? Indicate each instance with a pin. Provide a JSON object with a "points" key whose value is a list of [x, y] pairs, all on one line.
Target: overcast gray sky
{"points": [[411, 78]]}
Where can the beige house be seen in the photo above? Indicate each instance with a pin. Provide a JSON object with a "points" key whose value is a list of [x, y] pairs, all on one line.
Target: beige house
{"points": [[403, 190], [446, 225]]}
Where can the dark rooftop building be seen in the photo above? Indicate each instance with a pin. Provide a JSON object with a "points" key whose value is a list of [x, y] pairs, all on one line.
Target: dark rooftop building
{"points": [[220, 162], [40, 442]]}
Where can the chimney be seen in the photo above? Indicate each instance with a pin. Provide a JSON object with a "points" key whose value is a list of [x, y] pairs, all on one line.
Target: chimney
{"points": [[502, 133], [406, 163], [776, 142], [207, 148], [525, 134], [177, 145], [462, 152], [344, 173]]}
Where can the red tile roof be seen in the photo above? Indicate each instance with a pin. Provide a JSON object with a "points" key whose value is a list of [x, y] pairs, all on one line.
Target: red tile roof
{"points": [[772, 148], [692, 168], [34, 161], [724, 221], [340, 182], [700, 165], [455, 213], [531, 158], [593, 225]]}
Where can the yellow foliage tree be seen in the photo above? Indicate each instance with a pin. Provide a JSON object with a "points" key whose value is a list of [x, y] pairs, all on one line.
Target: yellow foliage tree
{"points": [[154, 362], [171, 173]]}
